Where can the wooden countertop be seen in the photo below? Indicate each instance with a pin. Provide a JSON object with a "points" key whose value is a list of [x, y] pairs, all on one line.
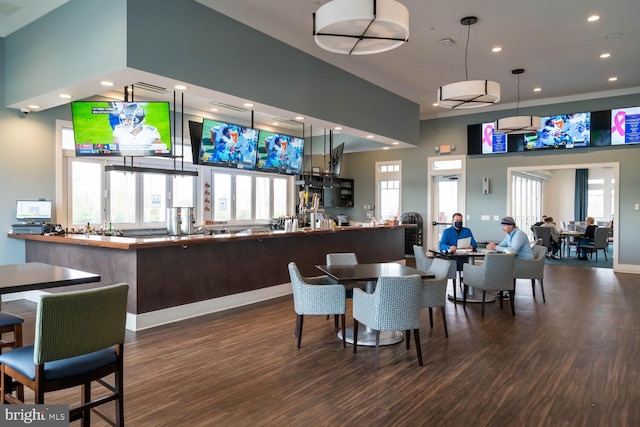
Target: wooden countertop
{"points": [[129, 243]]}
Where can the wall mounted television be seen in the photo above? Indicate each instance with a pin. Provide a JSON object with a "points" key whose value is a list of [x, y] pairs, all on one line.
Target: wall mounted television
{"points": [[37, 211], [335, 162], [561, 131], [492, 141], [625, 126], [482, 140], [121, 128], [195, 134], [280, 153], [228, 145]]}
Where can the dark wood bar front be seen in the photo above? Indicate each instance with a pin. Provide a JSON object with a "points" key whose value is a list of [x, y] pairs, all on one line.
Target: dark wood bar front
{"points": [[168, 272]]}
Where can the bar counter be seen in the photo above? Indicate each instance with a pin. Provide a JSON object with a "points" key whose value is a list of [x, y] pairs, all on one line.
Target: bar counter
{"points": [[177, 277]]}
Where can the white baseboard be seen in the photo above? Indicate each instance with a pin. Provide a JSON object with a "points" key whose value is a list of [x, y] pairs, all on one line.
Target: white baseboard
{"points": [[626, 268]]}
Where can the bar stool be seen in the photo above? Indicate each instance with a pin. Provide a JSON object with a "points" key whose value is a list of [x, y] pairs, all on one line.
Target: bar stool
{"points": [[12, 323]]}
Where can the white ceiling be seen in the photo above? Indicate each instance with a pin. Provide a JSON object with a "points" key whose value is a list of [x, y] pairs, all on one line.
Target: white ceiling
{"points": [[550, 39]]}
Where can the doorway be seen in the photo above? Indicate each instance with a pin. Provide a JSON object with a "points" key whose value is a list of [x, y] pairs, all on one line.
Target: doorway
{"points": [[447, 195]]}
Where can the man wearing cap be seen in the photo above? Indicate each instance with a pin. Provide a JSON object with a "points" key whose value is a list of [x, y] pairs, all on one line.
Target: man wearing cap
{"points": [[516, 241]]}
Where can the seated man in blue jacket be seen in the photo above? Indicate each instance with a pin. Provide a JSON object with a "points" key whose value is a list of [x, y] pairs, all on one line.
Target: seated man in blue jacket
{"points": [[451, 235]]}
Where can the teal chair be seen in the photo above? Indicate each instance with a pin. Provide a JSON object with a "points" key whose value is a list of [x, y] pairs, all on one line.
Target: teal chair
{"points": [[10, 323], [393, 306], [79, 339], [315, 298]]}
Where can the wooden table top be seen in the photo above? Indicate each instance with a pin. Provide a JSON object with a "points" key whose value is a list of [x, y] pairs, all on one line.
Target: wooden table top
{"points": [[35, 276], [362, 272]]}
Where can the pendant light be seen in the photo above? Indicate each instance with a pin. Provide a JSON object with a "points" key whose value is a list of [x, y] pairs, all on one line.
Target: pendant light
{"points": [[469, 93], [518, 124], [361, 27]]}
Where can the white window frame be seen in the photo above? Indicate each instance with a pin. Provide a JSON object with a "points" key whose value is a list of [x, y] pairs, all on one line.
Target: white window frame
{"points": [[387, 176]]}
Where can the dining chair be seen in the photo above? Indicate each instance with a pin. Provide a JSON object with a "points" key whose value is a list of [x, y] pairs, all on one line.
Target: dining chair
{"points": [[315, 299], [543, 233], [79, 340], [434, 291], [423, 262], [495, 274], [600, 242], [10, 323], [344, 258], [393, 306], [531, 269]]}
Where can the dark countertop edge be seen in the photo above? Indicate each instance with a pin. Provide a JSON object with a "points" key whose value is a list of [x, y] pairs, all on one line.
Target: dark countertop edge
{"points": [[129, 243]]}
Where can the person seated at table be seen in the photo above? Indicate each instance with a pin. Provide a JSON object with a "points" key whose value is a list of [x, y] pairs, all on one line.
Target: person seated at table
{"points": [[539, 223], [451, 235], [587, 238], [515, 241], [555, 236]]}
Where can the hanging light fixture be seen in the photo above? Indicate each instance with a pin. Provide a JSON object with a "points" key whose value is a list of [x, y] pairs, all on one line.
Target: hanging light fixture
{"points": [[517, 123], [361, 27], [469, 93]]}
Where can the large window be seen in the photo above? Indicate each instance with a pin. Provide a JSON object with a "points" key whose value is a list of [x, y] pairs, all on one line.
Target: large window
{"points": [[526, 200], [388, 185], [601, 194]]}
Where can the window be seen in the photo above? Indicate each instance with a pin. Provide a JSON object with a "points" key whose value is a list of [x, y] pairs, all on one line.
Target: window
{"points": [[86, 192], [221, 197], [243, 197], [601, 197], [280, 197], [388, 185], [263, 197], [526, 200]]}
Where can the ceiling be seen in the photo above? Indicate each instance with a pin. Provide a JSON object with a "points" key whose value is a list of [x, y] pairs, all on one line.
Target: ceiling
{"points": [[552, 40]]}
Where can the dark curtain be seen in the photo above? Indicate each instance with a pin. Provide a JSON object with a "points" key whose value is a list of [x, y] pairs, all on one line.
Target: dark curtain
{"points": [[582, 191]]}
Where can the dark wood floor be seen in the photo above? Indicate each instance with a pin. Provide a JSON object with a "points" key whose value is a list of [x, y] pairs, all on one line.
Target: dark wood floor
{"points": [[574, 361]]}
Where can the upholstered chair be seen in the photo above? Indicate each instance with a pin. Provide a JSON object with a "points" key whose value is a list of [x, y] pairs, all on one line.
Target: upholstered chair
{"points": [[495, 274], [434, 291], [532, 269], [79, 340], [315, 299], [393, 306]]}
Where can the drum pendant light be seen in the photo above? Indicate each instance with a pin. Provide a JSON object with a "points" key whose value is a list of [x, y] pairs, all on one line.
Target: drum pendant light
{"points": [[361, 27], [518, 124], [469, 93]]}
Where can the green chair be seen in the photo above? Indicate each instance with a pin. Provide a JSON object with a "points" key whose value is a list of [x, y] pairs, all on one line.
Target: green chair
{"points": [[79, 339]]}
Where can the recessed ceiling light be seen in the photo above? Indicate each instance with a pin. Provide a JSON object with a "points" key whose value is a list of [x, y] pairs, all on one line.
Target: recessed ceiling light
{"points": [[385, 148], [214, 109], [180, 87], [299, 118], [34, 107], [274, 124], [65, 96], [395, 143], [370, 136], [537, 89], [248, 104], [593, 18], [435, 104], [106, 83], [337, 128], [496, 49], [613, 79], [605, 55]]}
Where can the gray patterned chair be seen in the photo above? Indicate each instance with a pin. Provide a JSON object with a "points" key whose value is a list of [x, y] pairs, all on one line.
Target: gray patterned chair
{"points": [[434, 291], [79, 340], [532, 269], [393, 306], [495, 274], [423, 262], [318, 297]]}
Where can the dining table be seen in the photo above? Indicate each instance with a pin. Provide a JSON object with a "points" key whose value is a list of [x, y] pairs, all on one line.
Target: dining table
{"points": [[33, 276], [465, 256], [566, 236], [369, 273]]}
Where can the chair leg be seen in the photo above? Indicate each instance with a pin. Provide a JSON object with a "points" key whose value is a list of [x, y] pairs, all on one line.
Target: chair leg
{"points": [[416, 335], [355, 335], [375, 360], [533, 287], [542, 289], [431, 317], [295, 329], [335, 323], [344, 330], [484, 294], [86, 398], [444, 322], [455, 285], [512, 296], [500, 297], [464, 296], [299, 332], [407, 338]]}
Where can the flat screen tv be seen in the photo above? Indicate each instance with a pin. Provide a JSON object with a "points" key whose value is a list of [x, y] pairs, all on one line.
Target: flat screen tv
{"points": [[228, 145], [492, 141], [561, 131], [195, 134], [121, 128], [335, 162], [38, 211], [280, 153], [625, 126]]}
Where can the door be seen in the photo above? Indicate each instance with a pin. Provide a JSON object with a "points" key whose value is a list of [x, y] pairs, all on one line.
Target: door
{"points": [[446, 201]]}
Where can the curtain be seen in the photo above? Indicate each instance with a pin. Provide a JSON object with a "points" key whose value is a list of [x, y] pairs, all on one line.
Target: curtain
{"points": [[582, 191]]}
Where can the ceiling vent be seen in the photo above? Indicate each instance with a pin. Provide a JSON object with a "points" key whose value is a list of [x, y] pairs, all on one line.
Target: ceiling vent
{"points": [[229, 107], [151, 88]]}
